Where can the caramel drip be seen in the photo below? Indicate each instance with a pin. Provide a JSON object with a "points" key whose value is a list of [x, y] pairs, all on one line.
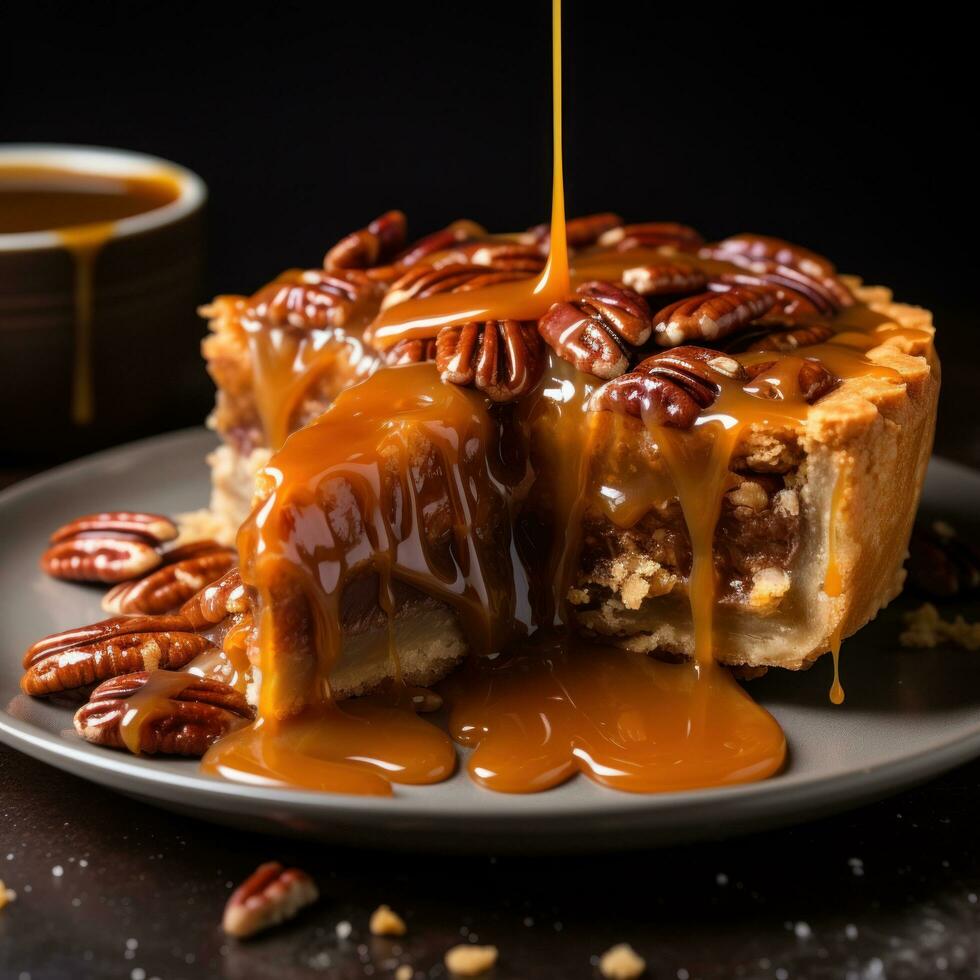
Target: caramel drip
{"points": [[82, 210], [150, 703], [832, 587]]}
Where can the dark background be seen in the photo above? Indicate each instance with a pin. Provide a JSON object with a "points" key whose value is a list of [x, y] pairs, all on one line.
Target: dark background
{"points": [[848, 133]]}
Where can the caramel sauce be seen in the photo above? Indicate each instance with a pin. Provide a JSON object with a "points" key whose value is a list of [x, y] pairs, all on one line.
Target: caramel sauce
{"points": [[832, 585], [406, 481], [81, 209], [149, 703]]}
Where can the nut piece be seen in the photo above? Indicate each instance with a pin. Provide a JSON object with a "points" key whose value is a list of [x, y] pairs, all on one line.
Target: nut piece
{"points": [[501, 358], [453, 234], [385, 922], [941, 564], [87, 663], [426, 280], [579, 232], [371, 246], [511, 256], [182, 714], [215, 602], [411, 351], [781, 263], [813, 379], [310, 299], [154, 528], [186, 571], [651, 234], [786, 341], [597, 328], [470, 961], [665, 279], [711, 316], [622, 963], [670, 388], [270, 895], [95, 557]]}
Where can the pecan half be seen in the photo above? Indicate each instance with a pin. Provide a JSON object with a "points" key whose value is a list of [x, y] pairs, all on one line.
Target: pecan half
{"points": [[374, 245], [95, 557], [181, 720], [785, 341], [651, 234], [669, 388], [216, 602], [710, 316], [813, 379], [311, 299], [411, 351], [942, 564], [87, 663], [511, 256], [665, 278], [784, 264], [501, 358], [425, 280], [453, 234], [597, 328], [154, 528], [580, 232], [185, 571], [270, 895]]}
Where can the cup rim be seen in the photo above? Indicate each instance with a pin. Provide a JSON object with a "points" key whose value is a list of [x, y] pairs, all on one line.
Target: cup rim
{"points": [[106, 161]]}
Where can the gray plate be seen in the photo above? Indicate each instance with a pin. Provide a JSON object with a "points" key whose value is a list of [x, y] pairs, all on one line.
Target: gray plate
{"points": [[909, 714]]}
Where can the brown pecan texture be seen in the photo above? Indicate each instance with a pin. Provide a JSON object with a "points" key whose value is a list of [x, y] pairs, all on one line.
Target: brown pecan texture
{"points": [[411, 351], [185, 716], [711, 316], [312, 299], [580, 232], [790, 268], [941, 563], [670, 388], [813, 380], [270, 895], [501, 358], [108, 547], [81, 664], [787, 341], [186, 570], [597, 328], [374, 245], [214, 603], [666, 278], [507, 256], [421, 281], [651, 234]]}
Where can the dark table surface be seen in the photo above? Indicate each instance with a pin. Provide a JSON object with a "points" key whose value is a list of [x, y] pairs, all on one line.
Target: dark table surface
{"points": [[108, 887]]}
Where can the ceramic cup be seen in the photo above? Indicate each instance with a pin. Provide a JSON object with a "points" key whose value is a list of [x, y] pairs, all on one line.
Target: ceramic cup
{"points": [[134, 366]]}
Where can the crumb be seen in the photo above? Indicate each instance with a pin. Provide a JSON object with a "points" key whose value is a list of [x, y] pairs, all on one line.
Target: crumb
{"points": [[470, 961], [384, 922], [404, 972], [925, 629], [7, 895], [621, 963], [344, 929]]}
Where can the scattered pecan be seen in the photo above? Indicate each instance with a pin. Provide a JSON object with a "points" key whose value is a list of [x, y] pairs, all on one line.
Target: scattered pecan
{"points": [[453, 234], [651, 234], [710, 316], [941, 564], [215, 602], [107, 547], [81, 664], [597, 328], [669, 388], [785, 341], [270, 895], [411, 351], [372, 246], [580, 232], [154, 528], [185, 571], [186, 721], [421, 281], [511, 256], [311, 299], [813, 379], [784, 264], [667, 278], [501, 358]]}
